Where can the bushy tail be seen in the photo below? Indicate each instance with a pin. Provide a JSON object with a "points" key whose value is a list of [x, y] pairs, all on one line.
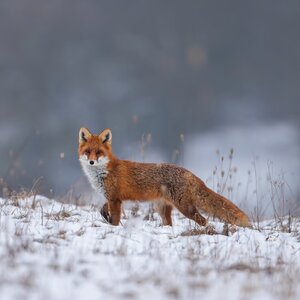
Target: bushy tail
{"points": [[218, 206]]}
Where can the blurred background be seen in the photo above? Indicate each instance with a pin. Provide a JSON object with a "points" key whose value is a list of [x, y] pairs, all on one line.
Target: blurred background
{"points": [[176, 81]]}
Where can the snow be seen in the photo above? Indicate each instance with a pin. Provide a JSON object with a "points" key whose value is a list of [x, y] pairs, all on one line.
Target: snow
{"points": [[50, 250]]}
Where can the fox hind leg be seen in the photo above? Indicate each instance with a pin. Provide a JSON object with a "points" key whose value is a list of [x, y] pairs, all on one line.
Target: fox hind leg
{"points": [[191, 212], [168, 218], [165, 212]]}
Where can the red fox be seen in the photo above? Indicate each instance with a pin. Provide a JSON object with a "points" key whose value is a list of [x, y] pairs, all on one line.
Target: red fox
{"points": [[169, 185]]}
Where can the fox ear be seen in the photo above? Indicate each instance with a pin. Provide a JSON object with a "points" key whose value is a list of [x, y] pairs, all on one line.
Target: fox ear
{"points": [[84, 134], [106, 136]]}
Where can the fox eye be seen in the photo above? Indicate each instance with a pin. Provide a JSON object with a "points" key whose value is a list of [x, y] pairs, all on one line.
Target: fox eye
{"points": [[99, 152], [87, 152]]}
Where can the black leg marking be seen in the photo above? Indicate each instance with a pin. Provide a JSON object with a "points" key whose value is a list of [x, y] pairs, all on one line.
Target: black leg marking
{"points": [[105, 214]]}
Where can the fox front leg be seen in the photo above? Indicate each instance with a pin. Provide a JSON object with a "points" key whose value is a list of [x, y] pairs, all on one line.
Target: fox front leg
{"points": [[111, 211], [114, 207]]}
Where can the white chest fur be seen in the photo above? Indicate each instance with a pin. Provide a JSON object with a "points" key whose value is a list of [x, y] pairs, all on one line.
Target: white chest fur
{"points": [[96, 173]]}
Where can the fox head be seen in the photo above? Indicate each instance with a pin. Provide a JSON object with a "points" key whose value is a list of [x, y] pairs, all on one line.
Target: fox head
{"points": [[94, 150]]}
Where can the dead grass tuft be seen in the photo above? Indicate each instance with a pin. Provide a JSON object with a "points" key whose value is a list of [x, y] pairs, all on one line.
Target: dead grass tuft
{"points": [[58, 216], [210, 230]]}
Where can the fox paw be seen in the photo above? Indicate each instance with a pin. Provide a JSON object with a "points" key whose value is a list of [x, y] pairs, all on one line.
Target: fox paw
{"points": [[105, 214]]}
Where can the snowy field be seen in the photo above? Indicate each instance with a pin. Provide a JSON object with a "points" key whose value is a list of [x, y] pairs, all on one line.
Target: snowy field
{"points": [[50, 250]]}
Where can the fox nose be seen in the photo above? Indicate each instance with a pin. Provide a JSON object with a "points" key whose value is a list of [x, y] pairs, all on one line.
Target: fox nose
{"points": [[91, 162]]}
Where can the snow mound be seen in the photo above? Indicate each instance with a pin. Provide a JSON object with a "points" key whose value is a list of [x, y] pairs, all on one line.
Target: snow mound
{"points": [[50, 250]]}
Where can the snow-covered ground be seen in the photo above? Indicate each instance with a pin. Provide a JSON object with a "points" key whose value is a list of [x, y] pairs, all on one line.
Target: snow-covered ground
{"points": [[50, 250]]}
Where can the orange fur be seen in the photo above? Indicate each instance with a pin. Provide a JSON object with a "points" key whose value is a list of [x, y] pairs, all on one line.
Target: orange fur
{"points": [[167, 184]]}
